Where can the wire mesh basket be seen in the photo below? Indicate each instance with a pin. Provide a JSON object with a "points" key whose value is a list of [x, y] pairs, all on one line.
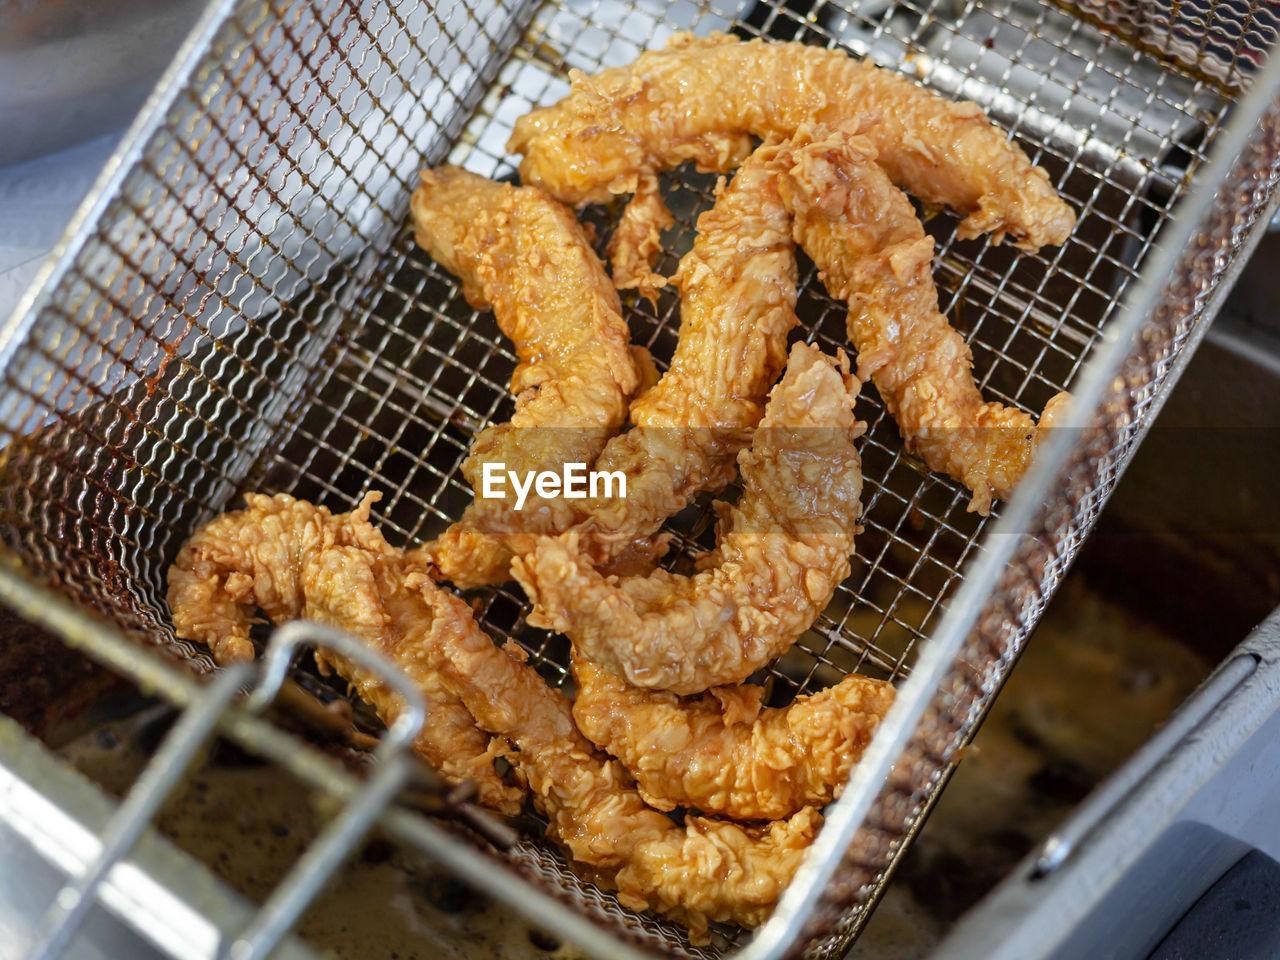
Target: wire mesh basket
{"points": [[239, 305]]}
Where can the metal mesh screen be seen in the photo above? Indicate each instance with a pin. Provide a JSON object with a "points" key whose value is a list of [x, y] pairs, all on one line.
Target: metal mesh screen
{"points": [[1225, 41], [245, 309]]}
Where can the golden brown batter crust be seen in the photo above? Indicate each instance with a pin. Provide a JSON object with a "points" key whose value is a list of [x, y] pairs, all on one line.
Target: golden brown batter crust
{"points": [[637, 239], [872, 252], [782, 551], [701, 871], [294, 560], [526, 256], [695, 100], [738, 294], [723, 754]]}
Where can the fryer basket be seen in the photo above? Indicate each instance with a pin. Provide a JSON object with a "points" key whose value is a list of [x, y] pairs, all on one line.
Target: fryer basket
{"points": [[239, 305]]}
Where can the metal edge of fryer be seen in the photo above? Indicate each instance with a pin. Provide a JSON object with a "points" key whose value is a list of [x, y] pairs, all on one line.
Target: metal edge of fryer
{"points": [[158, 903], [1143, 848]]}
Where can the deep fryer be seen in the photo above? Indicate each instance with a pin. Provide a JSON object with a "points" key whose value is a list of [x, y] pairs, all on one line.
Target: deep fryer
{"points": [[239, 306]]}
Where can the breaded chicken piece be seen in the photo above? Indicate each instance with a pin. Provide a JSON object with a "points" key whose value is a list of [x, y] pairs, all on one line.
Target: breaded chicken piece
{"points": [[297, 560], [871, 251], [637, 239], [695, 99], [781, 552], [294, 560], [705, 870], [723, 754], [526, 256], [738, 295]]}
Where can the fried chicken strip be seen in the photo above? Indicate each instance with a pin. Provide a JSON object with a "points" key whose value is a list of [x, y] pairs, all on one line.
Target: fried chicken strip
{"points": [[527, 257], [294, 560], [721, 753], [705, 870], [637, 239], [695, 99], [781, 553], [738, 290], [871, 251]]}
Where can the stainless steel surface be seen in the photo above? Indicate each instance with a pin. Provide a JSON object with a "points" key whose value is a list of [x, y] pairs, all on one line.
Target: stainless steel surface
{"points": [[37, 199], [71, 70], [1156, 836], [1059, 846], [157, 903], [73, 903], [239, 306]]}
